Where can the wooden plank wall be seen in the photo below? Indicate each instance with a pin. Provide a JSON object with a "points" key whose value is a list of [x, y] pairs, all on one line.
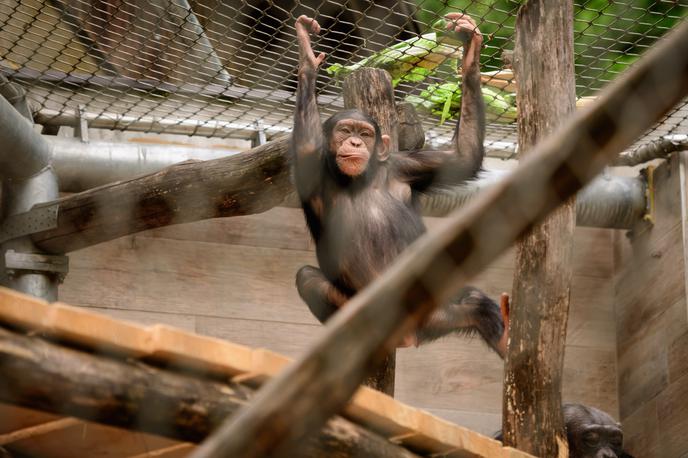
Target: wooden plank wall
{"points": [[652, 329], [234, 279]]}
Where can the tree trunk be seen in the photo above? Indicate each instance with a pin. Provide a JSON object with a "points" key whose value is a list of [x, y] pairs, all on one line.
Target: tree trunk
{"points": [[411, 134], [533, 420], [136, 396], [370, 90]]}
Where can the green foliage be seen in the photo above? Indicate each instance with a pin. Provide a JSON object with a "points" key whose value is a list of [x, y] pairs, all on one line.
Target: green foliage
{"points": [[609, 35], [444, 100], [411, 60]]}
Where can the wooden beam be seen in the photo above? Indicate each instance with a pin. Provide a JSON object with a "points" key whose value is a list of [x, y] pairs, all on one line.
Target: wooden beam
{"points": [[38, 430], [293, 405], [532, 418], [173, 450], [136, 396], [370, 90], [210, 357]]}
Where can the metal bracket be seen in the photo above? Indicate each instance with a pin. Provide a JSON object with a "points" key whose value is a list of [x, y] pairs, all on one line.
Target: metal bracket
{"points": [[259, 138], [649, 174], [39, 218], [32, 262], [81, 126]]}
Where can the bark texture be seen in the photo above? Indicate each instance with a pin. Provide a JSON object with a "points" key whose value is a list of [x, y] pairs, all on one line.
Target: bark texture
{"points": [[533, 420], [370, 90]]}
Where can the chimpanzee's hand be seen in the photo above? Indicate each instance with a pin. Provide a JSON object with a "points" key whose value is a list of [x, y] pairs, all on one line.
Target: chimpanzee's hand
{"points": [[307, 62], [468, 32]]}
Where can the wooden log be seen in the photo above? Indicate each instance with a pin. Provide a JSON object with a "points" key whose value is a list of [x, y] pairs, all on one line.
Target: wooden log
{"points": [[295, 404], [656, 149], [243, 184], [136, 396], [532, 417], [411, 134], [370, 90]]}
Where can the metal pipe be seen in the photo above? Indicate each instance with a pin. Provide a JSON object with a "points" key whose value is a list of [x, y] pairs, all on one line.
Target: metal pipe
{"points": [[19, 196], [80, 166], [27, 179], [24, 152], [609, 201], [16, 95]]}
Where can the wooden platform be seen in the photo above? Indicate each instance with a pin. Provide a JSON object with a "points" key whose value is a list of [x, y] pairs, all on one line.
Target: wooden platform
{"points": [[42, 434]]}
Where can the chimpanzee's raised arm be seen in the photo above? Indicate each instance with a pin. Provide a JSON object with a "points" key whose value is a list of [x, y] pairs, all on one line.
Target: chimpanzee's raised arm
{"points": [[307, 138], [425, 168]]}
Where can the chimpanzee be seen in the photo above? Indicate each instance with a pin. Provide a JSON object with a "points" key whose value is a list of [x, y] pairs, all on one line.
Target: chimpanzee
{"points": [[591, 433], [360, 199]]}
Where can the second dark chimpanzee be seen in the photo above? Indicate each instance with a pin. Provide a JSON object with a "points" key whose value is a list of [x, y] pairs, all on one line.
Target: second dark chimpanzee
{"points": [[592, 433], [360, 198]]}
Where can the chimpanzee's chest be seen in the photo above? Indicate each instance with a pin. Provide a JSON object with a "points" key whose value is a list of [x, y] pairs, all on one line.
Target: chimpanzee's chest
{"points": [[364, 233]]}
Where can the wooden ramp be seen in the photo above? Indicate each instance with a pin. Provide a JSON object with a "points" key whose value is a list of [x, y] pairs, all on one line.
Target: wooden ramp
{"points": [[46, 435]]}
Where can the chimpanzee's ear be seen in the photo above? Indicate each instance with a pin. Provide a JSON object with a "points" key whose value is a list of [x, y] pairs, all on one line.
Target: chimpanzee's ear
{"points": [[384, 152]]}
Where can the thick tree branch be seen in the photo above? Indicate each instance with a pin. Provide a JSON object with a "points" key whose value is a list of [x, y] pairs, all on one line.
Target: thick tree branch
{"points": [[656, 149]]}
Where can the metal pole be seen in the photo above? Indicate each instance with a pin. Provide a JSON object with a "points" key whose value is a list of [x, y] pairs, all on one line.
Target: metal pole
{"points": [[28, 179], [85, 165], [612, 202], [24, 152], [21, 269]]}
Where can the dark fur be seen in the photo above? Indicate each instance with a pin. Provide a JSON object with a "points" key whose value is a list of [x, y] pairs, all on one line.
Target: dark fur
{"points": [[361, 224], [583, 421]]}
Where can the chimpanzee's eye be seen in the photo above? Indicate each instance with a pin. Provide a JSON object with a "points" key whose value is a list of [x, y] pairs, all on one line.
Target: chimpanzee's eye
{"points": [[591, 439], [366, 134]]}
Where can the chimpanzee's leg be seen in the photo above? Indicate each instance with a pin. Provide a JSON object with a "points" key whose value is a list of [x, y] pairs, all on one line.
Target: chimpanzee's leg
{"points": [[322, 297], [471, 311]]}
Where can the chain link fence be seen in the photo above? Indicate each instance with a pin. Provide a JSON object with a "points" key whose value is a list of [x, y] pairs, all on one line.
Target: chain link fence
{"points": [[228, 68]]}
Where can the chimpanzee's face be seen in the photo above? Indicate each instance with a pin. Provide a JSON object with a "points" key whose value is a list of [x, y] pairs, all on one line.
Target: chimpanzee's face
{"points": [[353, 144], [592, 433], [598, 441]]}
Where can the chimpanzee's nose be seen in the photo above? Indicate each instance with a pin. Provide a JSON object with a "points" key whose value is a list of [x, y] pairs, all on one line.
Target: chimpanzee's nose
{"points": [[356, 141], [606, 453]]}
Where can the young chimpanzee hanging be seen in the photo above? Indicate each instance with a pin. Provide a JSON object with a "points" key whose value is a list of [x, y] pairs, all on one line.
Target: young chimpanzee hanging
{"points": [[360, 198]]}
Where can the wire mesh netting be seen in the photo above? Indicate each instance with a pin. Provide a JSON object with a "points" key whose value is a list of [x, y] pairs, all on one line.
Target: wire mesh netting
{"points": [[228, 69]]}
